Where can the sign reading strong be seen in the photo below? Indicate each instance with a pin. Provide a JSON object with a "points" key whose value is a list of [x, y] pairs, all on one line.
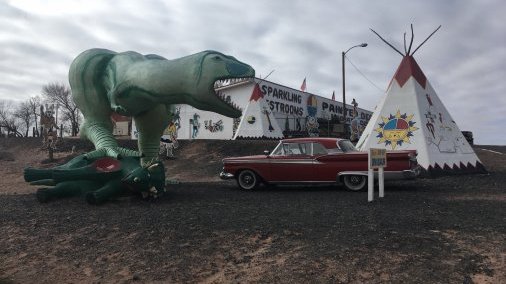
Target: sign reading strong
{"points": [[396, 129]]}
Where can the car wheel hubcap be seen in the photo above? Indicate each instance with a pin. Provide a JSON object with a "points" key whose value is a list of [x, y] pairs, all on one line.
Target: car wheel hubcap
{"points": [[355, 180], [247, 180]]}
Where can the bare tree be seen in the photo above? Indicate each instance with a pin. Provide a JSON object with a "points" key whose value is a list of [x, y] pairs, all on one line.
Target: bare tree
{"points": [[35, 103], [24, 113], [7, 120], [60, 95]]}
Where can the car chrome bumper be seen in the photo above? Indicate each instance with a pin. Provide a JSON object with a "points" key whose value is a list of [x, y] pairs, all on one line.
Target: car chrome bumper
{"points": [[412, 173], [389, 175], [226, 176]]}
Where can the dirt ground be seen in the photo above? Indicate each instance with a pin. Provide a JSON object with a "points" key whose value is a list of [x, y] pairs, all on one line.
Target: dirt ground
{"points": [[445, 230]]}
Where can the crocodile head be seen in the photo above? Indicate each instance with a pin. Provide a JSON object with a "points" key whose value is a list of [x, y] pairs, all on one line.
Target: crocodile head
{"points": [[213, 66]]}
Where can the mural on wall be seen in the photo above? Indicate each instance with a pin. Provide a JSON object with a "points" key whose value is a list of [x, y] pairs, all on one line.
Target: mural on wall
{"points": [[396, 129], [176, 117], [287, 124], [236, 123], [168, 141], [355, 128], [311, 120], [268, 115], [213, 127], [284, 101], [444, 136], [195, 125]]}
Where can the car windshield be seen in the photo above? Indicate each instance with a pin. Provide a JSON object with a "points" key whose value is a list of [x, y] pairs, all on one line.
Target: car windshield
{"points": [[347, 146]]}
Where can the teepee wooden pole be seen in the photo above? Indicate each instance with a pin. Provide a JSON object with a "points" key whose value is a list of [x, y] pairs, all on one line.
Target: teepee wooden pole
{"points": [[426, 39], [411, 42], [387, 42]]}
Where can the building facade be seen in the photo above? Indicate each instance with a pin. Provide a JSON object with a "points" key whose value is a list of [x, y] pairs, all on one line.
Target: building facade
{"points": [[296, 113]]}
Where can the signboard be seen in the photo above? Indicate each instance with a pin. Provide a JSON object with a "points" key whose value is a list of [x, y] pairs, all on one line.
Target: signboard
{"points": [[377, 158], [284, 101]]}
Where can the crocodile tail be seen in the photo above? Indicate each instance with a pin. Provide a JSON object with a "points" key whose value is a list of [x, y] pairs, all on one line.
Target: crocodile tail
{"points": [[86, 77]]}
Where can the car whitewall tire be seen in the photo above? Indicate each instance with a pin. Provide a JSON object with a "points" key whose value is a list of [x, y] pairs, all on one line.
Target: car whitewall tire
{"points": [[247, 179], [355, 182]]}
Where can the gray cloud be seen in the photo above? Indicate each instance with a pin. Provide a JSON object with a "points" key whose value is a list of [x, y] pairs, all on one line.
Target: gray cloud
{"points": [[463, 61]]}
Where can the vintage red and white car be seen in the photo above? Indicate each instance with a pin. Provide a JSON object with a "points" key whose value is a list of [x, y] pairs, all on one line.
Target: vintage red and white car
{"points": [[315, 160]]}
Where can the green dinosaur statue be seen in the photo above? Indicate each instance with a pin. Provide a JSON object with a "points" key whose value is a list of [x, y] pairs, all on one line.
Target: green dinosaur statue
{"points": [[144, 87]]}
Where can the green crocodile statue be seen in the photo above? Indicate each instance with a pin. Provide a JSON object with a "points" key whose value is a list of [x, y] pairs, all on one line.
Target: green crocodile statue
{"points": [[98, 179], [144, 87]]}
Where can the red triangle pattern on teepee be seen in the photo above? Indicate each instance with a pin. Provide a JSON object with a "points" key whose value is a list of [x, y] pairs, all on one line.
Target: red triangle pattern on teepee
{"points": [[409, 68], [256, 94]]}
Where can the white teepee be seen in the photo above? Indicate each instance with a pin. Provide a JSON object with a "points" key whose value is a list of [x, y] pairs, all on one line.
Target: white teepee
{"points": [[411, 116], [258, 121]]}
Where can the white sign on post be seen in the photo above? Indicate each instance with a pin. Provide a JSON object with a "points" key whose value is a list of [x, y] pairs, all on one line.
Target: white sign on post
{"points": [[377, 160]]}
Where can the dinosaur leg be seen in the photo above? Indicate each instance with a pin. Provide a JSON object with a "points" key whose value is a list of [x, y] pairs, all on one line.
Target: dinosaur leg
{"points": [[89, 92], [111, 189], [150, 125], [100, 134], [66, 189]]}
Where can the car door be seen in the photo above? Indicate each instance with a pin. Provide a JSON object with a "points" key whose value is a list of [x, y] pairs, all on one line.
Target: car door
{"points": [[293, 164], [326, 165]]}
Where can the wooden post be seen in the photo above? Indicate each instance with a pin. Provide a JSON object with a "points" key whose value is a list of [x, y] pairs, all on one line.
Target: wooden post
{"points": [[370, 184], [381, 182], [377, 159], [50, 153]]}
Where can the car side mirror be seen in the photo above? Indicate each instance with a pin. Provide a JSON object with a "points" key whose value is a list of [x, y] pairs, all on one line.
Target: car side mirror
{"points": [[267, 152]]}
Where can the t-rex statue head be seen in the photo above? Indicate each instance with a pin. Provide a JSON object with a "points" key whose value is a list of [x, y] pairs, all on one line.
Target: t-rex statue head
{"points": [[210, 67], [134, 82]]}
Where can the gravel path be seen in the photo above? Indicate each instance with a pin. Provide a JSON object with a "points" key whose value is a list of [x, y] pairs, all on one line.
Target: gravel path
{"points": [[445, 230]]}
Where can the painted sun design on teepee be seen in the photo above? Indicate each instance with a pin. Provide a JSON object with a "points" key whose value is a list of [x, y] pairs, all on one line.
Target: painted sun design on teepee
{"points": [[395, 129]]}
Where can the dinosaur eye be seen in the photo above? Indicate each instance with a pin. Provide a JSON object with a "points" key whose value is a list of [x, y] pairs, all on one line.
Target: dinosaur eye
{"points": [[136, 179], [217, 57]]}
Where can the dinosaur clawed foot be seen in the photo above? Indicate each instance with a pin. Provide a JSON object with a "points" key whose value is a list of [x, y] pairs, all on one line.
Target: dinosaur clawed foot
{"points": [[113, 152]]}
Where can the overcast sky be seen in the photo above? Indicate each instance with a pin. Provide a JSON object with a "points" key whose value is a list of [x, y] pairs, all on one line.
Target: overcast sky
{"points": [[464, 61]]}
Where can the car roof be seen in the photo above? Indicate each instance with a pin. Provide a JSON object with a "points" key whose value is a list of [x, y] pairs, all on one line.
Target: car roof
{"points": [[327, 142]]}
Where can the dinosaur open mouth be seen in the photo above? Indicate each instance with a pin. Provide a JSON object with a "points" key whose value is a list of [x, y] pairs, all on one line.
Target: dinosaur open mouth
{"points": [[221, 84]]}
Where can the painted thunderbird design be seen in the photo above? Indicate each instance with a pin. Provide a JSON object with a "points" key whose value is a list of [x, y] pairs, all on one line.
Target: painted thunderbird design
{"points": [[315, 160]]}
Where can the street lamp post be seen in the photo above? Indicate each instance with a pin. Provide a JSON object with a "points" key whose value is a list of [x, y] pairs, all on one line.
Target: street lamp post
{"points": [[344, 88]]}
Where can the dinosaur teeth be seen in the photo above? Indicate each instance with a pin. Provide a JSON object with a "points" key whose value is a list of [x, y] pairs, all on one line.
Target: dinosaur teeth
{"points": [[227, 82], [231, 81]]}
